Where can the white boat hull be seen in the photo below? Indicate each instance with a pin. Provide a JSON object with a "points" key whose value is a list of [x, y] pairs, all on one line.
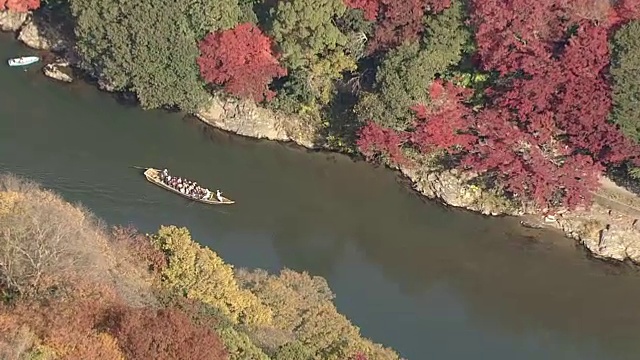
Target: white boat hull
{"points": [[23, 61]]}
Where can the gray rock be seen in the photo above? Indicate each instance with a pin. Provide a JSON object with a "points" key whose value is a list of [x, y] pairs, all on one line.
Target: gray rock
{"points": [[12, 21]]}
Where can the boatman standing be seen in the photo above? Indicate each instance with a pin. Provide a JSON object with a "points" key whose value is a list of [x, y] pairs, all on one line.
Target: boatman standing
{"points": [[219, 195]]}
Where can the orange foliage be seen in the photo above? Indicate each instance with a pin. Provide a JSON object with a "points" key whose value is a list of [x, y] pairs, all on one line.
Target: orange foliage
{"points": [[19, 5], [145, 333], [140, 248], [68, 326]]}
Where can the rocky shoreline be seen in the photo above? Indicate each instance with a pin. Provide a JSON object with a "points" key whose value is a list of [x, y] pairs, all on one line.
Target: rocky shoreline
{"points": [[606, 233]]}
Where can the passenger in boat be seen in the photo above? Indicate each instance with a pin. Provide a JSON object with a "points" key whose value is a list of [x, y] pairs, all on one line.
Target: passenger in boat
{"points": [[219, 195], [164, 174], [207, 194]]}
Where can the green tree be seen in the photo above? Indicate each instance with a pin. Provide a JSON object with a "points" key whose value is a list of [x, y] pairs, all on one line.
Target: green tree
{"points": [[305, 30], [625, 67], [404, 76], [292, 351], [150, 47], [314, 49]]}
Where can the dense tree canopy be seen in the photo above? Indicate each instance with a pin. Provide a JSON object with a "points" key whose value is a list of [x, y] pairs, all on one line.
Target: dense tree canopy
{"points": [[242, 60], [542, 131], [149, 47], [625, 67], [305, 30], [554, 105], [404, 77], [161, 296]]}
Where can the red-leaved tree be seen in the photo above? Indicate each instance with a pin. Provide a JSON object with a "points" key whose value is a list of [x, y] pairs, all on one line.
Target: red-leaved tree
{"points": [[368, 7], [445, 123], [19, 5], [242, 60], [400, 21], [375, 140], [546, 130], [163, 334]]}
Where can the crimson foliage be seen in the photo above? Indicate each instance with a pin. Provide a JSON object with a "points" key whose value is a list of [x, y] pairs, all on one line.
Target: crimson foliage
{"points": [[368, 7], [543, 133], [400, 21], [242, 60], [547, 131], [444, 124], [19, 5], [374, 140]]}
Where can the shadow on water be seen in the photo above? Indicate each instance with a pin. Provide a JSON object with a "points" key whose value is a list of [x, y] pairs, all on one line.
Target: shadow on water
{"points": [[430, 281]]}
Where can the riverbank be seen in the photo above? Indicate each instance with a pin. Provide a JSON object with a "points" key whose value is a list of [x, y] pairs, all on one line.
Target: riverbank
{"points": [[57, 257], [621, 241]]}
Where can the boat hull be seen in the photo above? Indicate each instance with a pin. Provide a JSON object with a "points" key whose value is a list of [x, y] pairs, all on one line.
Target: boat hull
{"points": [[23, 61], [153, 176]]}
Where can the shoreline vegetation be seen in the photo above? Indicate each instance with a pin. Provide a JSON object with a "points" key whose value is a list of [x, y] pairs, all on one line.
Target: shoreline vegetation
{"points": [[481, 107], [73, 289]]}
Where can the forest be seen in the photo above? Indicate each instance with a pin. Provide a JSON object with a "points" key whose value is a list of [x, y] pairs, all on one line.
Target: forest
{"points": [[535, 99], [73, 289]]}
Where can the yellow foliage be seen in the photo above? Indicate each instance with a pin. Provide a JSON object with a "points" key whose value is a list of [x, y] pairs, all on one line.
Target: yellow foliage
{"points": [[326, 70], [198, 273], [8, 200], [302, 304]]}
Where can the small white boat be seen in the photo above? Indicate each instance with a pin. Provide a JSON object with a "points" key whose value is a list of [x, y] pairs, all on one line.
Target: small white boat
{"points": [[22, 61]]}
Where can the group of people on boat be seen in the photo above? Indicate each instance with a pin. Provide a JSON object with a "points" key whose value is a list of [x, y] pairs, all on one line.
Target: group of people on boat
{"points": [[188, 187]]}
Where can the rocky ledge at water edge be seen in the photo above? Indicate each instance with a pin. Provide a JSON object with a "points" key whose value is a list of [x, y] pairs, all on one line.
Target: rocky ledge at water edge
{"points": [[608, 229]]}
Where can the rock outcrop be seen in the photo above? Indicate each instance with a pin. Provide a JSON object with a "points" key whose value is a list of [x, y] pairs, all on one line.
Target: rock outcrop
{"points": [[605, 235], [41, 36], [12, 21], [248, 119], [57, 71]]}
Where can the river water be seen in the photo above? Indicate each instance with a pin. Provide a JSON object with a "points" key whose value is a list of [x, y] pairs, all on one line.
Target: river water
{"points": [[431, 282]]}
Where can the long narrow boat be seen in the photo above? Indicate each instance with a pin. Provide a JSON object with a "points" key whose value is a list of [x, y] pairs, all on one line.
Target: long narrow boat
{"points": [[22, 61], [153, 176]]}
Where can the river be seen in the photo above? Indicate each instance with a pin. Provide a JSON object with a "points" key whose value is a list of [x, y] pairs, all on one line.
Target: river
{"points": [[431, 282]]}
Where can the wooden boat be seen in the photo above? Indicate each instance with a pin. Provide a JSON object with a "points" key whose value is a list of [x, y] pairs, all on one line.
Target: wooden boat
{"points": [[153, 176], [23, 61]]}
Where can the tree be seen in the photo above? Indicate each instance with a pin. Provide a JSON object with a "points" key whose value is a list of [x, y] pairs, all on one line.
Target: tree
{"points": [[19, 5], [375, 140], [313, 48], [205, 16], [368, 7], [446, 123], [199, 273], [515, 35], [147, 47], [163, 334], [44, 242], [302, 305], [401, 21], [241, 59], [304, 35], [406, 72], [625, 67], [544, 134]]}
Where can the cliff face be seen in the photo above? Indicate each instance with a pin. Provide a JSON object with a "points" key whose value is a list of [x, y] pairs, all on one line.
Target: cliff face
{"points": [[605, 235]]}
